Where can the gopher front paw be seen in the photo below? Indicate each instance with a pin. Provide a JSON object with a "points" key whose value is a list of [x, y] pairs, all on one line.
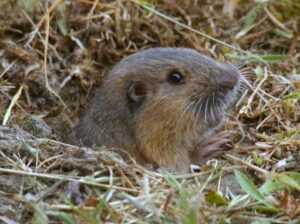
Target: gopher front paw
{"points": [[209, 147]]}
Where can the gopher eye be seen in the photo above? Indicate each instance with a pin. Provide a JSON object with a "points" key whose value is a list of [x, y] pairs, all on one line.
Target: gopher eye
{"points": [[175, 77]]}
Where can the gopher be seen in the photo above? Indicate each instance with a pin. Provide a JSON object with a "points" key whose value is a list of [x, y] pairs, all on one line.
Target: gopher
{"points": [[161, 105]]}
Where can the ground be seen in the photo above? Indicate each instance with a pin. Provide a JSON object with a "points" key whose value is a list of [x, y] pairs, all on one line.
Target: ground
{"points": [[54, 54]]}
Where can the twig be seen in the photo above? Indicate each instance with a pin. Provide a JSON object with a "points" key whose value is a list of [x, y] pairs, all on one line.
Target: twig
{"points": [[12, 103], [247, 164], [46, 42], [7, 69], [258, 87], [276, 21], [65, 178]]}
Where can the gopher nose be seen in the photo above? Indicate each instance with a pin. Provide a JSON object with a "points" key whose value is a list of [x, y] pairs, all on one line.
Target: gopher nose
{"points": [[228, 84], [229, 78]]}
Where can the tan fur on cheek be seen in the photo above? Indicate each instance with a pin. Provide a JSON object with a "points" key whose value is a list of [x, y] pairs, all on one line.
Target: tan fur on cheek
{"points": [[161, 136]]}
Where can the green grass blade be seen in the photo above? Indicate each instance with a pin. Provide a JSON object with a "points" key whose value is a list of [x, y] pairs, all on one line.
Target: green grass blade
{"points": [[288, 179], [248, 186], [62, 216], [292, 95], [271, 58]]}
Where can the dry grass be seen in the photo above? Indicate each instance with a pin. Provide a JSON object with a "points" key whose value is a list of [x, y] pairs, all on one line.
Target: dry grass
{"points": [[53, 54]]}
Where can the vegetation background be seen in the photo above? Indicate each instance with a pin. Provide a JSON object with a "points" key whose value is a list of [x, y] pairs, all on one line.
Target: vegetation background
{"points": [[53, 54]]}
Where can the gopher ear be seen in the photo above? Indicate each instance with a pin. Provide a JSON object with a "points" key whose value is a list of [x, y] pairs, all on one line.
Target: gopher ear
{"points": [[136, 94]]}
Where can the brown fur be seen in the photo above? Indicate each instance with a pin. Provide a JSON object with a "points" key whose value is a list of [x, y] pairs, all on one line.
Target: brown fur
{"points": [[167, 124]]}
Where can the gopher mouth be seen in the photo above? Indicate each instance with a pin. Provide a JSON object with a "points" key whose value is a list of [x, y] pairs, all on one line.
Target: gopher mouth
{"points": [[210, 109]]}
